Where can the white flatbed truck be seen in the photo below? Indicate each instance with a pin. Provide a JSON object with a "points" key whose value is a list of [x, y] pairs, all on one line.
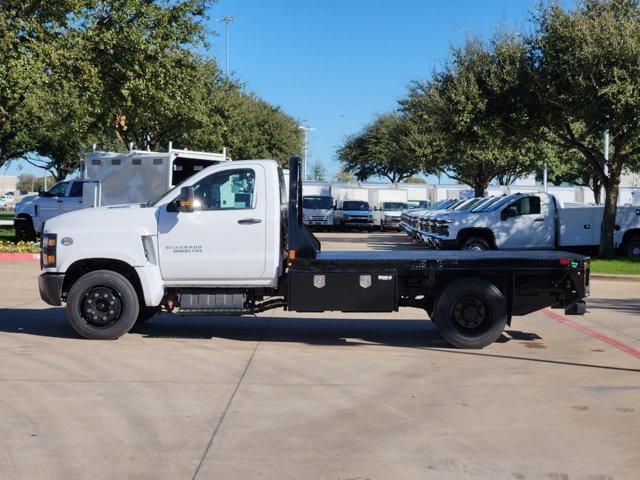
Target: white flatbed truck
{"points": [[225, 242]]}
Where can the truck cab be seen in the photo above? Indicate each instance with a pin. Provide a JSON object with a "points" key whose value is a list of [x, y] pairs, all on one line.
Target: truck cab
{"points": [[355, 214], [317, 211], [33, 211], [387, 215]]}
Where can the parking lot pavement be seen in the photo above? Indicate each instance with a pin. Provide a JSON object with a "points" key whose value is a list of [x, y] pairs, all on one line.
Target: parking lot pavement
{"points": [[284, 395]]}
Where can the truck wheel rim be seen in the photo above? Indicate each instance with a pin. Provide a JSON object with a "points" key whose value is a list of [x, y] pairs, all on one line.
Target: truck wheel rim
{"points": [[634, 250], [470, 315], [101, 307], [475, 247]]}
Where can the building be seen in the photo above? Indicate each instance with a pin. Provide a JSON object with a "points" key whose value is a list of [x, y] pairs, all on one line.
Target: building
{"points": [[8, 183]]}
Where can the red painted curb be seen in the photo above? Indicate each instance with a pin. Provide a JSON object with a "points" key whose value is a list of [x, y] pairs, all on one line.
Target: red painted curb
{"points": [[19, 257], [593, 334]]}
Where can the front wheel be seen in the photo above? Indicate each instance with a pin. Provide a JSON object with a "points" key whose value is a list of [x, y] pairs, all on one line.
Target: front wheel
{"points": [[24, 230], [102, 305], [476, 244], [470, 313]]}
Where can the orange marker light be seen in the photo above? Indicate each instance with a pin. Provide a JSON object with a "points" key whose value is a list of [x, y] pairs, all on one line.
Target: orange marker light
{"points": [[51, 242], [292, 254], [51, 259]]}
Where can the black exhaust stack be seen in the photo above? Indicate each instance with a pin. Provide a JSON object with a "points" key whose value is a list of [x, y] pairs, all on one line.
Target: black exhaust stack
{"points": [[301, 242]]}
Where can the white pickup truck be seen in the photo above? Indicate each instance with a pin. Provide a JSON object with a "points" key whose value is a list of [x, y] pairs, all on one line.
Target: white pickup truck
{"points": [[224, 243], [532, 221]]}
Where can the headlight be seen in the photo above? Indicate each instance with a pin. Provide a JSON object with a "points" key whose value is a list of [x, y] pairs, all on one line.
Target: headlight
{"points": [[48, 250]]}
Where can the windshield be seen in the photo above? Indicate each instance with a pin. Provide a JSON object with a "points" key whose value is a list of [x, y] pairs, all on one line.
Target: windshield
{"points": [[317, 203], [484, 205], [350, 205], [156, 201], [394, 206], [499, 203]]}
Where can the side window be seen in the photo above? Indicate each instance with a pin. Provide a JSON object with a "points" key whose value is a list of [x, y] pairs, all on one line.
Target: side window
{"points": [[76, 189], [226, 190], [59, 189], [528, 206]]}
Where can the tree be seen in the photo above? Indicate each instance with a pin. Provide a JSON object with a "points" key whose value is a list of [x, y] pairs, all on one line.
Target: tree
{"points": [[584, 67], [380, 150], [345, 176], [318, 172], [415, 180], [461, 134]]}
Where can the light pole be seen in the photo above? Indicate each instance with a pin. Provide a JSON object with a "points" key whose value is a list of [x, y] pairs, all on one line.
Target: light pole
{"points": [[226, 20], [306, 148]]}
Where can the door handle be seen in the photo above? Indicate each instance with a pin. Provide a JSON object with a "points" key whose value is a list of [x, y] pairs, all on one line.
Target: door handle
{"points": [[249, 221], [539, 220], [58, 201]]}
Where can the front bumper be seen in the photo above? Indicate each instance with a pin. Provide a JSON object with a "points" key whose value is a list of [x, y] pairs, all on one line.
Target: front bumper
{"points": [[50, 285]]}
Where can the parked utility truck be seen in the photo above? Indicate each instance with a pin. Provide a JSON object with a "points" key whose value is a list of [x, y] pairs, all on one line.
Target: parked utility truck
{"points": [[388, 204], [352, 208], [109, 178], [317, 205], [224, 243]]}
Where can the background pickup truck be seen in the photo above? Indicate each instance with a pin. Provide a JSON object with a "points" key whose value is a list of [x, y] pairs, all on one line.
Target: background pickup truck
{"points": [[115, 266], [535, 221]]}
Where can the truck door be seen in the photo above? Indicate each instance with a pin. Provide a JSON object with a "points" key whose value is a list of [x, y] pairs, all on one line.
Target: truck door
{"points": [[50, 203], [526, 223], [225, 239], [73, 200]]}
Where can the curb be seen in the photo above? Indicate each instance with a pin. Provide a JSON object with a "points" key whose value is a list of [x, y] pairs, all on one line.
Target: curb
{"points": [[615, 278], [19, 257]]}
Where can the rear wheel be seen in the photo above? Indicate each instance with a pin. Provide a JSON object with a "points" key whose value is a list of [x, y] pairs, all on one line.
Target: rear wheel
{"points": [[476, 244], [102, 305], [632, 247], [470, 313]]}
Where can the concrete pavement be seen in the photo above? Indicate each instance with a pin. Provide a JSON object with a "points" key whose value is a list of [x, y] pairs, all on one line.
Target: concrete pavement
{"points": [[337, 396]]}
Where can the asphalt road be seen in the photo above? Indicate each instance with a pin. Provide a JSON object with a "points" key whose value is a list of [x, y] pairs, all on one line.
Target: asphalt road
{"points": [[334, 396]]}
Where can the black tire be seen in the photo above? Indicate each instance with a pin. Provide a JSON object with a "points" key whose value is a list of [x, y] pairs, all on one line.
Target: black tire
{"points": [[146, 313], [470, 313], [476, 244], [24, 230], [632, 247], [92, 295]]}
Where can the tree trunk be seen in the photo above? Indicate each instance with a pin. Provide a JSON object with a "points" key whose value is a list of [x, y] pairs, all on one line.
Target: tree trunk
{"points": [[479, 188], [607, 249], [596, 188]]}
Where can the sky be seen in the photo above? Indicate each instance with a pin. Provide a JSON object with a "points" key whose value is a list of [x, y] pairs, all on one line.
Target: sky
{"points": [[334, 64]]}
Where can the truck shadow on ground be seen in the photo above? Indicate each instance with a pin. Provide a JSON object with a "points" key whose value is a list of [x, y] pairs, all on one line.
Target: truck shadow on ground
{"points": [[52, 322]]}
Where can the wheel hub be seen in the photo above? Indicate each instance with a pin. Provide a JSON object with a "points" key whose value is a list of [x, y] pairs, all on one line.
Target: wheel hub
{"points": [[101, 306], [469, 312], [635, 250]]}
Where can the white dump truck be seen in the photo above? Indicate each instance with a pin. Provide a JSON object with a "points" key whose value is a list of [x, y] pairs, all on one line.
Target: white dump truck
{"points": [[388, 204], [111, 178]]}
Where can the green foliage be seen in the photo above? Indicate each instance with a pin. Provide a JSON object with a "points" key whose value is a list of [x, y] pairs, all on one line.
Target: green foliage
{"points": [[318, 172], [415, 180], [382, 150], [115, 72], [461, 132], [345, 176]]}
